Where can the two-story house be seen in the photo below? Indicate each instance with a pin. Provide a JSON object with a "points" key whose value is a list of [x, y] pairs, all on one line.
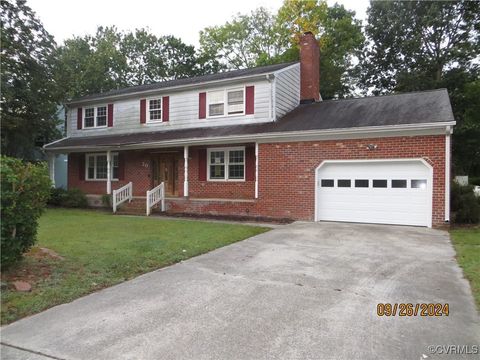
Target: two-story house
{"points": [[261, 143]]}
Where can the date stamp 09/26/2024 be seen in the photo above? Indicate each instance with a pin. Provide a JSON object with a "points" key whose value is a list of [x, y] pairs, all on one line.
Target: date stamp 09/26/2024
{"points": [[409, 309]]}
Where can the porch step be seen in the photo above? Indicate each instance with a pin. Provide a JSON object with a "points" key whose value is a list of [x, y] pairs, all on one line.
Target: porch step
{"points": [[135, 207]]}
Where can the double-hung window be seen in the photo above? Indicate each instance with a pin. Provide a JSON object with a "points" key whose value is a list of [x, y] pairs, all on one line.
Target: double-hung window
{"points": [[226, 102], [95, 117], [96, 165], [226, 164], [155, 110]]}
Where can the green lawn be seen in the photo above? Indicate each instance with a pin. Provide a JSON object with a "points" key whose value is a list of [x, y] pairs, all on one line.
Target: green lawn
{"points": [[467, 245], [100, 250]]}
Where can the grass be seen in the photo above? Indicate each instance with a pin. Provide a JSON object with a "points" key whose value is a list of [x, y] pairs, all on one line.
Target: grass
{"points": [[101, 250], [467, 245]]}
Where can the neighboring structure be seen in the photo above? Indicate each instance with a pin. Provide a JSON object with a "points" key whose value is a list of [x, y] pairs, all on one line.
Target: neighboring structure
{"points": [[260, 142]]}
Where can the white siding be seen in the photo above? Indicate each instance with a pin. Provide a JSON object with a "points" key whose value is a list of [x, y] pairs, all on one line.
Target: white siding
{"points": [[183, 112], [287, 90]]}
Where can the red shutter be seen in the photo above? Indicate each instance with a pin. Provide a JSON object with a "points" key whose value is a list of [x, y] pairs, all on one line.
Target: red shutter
{"points": [[110, 115], [202, 164], [165, 108], [249, 100], [121, 166], [81, 166], [250, 164], [143, 111], [79, 118], [202, 105]]}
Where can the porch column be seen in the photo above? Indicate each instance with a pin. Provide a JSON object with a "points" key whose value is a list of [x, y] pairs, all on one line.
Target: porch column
{"points": [[109, 172], [185, 167], [256, 170], [51, 168]]}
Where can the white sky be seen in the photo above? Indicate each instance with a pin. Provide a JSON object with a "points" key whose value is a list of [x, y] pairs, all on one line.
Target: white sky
{"points": [[183, 19]]}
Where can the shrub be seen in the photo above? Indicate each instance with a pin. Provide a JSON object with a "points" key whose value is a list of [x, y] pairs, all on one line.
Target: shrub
{"points": [[72, 198], [75, 198], [107, 200], [25, 191], [474, 180], [465, 205], [57, 196]]}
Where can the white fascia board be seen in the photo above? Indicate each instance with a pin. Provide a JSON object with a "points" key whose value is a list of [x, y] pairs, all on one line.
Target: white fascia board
{"points": [[308, 135]]}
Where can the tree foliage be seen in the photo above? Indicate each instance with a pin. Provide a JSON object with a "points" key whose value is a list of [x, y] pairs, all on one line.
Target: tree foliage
{"points": [[421, 45], [262, 38], [414, 43], [28, 96], [113, 59], [25, 190]]}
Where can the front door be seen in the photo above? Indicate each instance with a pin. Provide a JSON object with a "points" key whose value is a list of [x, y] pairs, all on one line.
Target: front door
{"points": [[165, 170]]}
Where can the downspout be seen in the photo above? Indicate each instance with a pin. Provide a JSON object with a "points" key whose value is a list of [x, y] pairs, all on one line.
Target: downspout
{"points": [[448, 170], [273, 105]]}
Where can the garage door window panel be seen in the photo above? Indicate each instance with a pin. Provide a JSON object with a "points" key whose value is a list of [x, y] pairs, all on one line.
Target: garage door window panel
{"points": [[327, 183], [361, 183], [345, 183], [379, 183], [418, 184], [399, 184]]}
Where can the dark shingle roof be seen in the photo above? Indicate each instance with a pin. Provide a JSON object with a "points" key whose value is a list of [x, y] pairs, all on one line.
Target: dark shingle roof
{"points": [[187, 81], [390, 110]]}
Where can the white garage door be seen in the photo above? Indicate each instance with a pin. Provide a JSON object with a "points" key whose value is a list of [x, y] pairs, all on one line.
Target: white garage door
{"points": [[383, 192]]}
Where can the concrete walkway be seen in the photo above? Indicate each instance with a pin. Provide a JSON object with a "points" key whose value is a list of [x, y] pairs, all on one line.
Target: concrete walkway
{"points": [[302, 291]]}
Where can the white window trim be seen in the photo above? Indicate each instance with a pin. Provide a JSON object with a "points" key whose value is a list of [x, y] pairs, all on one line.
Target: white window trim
{"points": [[154, 121], [95, 166], [225, 104], [95, 115], [226, 163]]}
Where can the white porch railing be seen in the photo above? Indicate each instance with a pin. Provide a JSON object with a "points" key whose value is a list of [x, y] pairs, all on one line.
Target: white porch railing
{"points": [[154, 196], [121, 195]]}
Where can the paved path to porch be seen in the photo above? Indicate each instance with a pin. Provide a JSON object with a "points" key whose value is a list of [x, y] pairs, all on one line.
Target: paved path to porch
{"points": [[302, 291]]}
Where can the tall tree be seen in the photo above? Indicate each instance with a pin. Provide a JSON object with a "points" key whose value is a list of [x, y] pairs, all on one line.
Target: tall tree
{"points": [[112, 59], [340, 39], [245, 41], [261, 38], [420, 45], [413, 43], [28, 96]]}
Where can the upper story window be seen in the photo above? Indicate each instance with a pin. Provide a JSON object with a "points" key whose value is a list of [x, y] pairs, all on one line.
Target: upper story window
{"points": [[97, 166], [226, 164], [155, 109], [226, 102], [95, 117]]}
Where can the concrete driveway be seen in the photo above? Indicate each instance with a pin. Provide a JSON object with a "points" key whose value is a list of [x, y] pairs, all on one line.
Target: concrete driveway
{"points": [[302, 291]]}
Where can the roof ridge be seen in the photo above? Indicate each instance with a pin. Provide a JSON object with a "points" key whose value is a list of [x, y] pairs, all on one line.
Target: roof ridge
{"points": [[384, 95], [152, 85]]}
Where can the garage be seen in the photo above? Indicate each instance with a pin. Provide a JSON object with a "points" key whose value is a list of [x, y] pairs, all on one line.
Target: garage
{"points": [[375, 191]]}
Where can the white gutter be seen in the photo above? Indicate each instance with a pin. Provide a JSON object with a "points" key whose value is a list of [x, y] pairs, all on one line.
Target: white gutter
{"points": [[305, 135]]}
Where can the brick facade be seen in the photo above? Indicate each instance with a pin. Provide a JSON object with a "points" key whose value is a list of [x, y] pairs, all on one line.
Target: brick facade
{"points": [[286, 176]]}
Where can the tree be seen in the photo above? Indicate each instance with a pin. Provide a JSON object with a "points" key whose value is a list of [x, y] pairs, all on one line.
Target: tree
{"points": [[340, 39], [24, 193], [420, 45], [245, 41], [112, 59], [413, 43], [28, 97], [261, 38]]}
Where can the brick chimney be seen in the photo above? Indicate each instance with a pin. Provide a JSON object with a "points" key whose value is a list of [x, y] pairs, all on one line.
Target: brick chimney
{"points": [[309, 69]]}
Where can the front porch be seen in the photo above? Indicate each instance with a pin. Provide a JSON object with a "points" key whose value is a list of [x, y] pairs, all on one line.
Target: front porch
{"points": [[216, 179]]}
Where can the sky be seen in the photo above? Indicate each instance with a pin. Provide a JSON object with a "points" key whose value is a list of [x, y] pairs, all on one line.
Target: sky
{"points": [[183, 19]]}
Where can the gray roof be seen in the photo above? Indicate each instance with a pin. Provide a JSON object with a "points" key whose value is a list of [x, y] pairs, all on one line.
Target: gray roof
{"points": [[260, 70], [389, 110]]}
